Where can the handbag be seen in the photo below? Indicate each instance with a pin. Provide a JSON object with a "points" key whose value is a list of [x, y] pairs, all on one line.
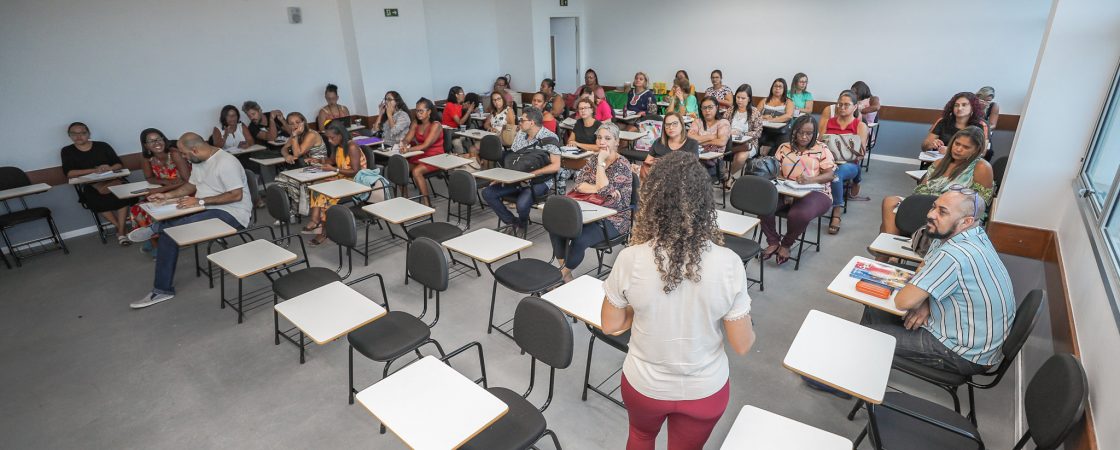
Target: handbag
{"points": [[509, 132], [651, 132], [589, 198], [764, 166], [844, 147]]}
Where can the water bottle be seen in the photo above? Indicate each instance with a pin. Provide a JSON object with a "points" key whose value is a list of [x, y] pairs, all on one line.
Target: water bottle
{"points": [[651, 105]]}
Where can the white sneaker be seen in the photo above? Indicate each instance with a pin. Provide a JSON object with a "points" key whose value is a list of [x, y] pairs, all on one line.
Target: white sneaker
{"points": [[141, 234], [151, 299]]}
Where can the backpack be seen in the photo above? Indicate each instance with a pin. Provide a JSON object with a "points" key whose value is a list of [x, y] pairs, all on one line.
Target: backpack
{"points": [[532, 157], [764, 166]]}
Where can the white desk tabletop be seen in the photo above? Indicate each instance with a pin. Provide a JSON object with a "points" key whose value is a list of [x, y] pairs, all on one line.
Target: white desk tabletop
{"points": [[773, 125], [168, 210], [842, 354], [916, 174], [132, 190], [487, 245], [894, 245], [24, 190], [591, 212], [710, 155], [480, 116], [475, 134], [735, 224], [430, 406], [339, 188], [268, 161], [249, 149], [445, 161], [568, 123], [398, 210], [626, 116], [251, 258], [574, 153], [329, 312], [355, 127], [193, 233], [785, 189], [845, 286], [396, 151], [930, 156], [279, 142], [581, 298], [503, 175], [304, 175], [630, 135], [758, 428], [95, 177]]}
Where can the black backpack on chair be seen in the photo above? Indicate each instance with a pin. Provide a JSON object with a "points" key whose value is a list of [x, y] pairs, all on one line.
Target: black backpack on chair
{"points": [[532, 157]]}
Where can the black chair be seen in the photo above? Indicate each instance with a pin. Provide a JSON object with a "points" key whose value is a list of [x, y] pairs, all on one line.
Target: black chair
{"points": [[607, 246], [542, 331], [621, 343], [14, 177], [561, 216], [872, 139], [1054, 403], [757, 196], [254, 193], [999, 166], [97, 223], [912, 212], [396, 170], [1026, 315], [783, 214], [398, 333], [490, 149], [279, 206], [462, 190]]}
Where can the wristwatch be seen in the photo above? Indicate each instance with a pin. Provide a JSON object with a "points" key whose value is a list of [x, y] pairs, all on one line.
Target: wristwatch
{"points": [[201, 202]]}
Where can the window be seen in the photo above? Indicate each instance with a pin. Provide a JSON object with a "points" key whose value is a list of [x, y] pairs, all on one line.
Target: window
{"points": [[1099, 184]]}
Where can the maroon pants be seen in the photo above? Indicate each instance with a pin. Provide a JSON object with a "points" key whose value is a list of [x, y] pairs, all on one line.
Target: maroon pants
{"points": [[801, 212], [690, 421]]}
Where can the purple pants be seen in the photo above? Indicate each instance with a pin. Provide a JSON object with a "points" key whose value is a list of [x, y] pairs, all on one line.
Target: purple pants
{"points": [[801, 212]]}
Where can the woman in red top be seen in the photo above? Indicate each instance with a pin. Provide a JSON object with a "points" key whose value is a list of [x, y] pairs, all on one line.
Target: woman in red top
{"points": [[841, 119], [426, 136], [456, 112], [549, 120]]}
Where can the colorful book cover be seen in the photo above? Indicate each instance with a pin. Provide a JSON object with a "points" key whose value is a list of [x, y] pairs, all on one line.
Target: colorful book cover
{"points": [[881, 274]]}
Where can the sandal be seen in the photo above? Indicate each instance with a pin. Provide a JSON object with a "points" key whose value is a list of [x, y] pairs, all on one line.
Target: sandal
{"points": [[123, 241], [833, 229], [318, 240], [769, 252], [859, 198], [312, 228], [782, 258]]}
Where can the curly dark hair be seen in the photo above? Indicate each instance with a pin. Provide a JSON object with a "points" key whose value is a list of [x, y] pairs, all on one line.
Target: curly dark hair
{"points": [[677, 215], [949, 118]]}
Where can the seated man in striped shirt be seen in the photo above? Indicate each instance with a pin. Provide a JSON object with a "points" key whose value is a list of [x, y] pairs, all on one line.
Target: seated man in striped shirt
{"points": [[959, 305]]}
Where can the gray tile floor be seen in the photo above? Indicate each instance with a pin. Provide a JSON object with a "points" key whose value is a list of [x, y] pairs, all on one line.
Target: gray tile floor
{"points": [[82, 370]]}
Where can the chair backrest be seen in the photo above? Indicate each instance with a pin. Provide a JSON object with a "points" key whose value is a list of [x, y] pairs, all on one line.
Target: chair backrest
{"points": [[1055, 400], [340, 226], [541, 330], [448, 135], [999, 166], [397, 170], [278, 204], [13, 177], [562, 217], [254, 193], [491, 149], [635, 187], [427, 264], [1026, 315], [462, 187], [912, 213], [754, 195]]}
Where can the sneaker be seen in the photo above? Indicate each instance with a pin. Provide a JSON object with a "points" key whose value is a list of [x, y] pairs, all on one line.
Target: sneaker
{"points": [[141, 234], [151, 299], [123, 241], [826, 388]]}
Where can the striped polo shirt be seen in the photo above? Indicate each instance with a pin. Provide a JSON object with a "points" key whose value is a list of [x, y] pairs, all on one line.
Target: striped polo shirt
{"points": [[970, 296]]}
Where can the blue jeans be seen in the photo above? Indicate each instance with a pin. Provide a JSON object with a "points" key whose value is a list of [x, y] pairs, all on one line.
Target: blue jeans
{"points": [[844, 172], [571, 251], [918, 345], [167, 255], [525, 196]]}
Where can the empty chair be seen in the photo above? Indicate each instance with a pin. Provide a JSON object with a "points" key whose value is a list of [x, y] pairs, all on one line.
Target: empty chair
{"points": [[607, 245], [757, 196], [14, 177], [912, 213], [254, 193], [279, 206], [462, 190], [999, 166], [541, 330], [490, 149], [396, 170], [1054, 403]]}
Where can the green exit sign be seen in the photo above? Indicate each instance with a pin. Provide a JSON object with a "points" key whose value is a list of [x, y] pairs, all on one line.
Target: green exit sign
{"points": [[391, 12], [563, 2]]}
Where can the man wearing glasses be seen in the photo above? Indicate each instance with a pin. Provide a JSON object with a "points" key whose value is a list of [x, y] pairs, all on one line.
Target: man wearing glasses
{"points": [[959, 305]]}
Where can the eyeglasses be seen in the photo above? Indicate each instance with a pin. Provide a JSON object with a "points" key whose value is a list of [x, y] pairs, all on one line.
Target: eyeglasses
{"points": [[672, 124], [708, 107], [971, 193]]}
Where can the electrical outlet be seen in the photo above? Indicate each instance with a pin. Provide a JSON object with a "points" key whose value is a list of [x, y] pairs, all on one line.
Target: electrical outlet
{"points": [[294, 15], [391, 12]]}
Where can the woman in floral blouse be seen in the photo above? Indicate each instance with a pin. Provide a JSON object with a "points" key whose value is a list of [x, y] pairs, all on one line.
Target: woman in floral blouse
{"points": [[805, 161]]}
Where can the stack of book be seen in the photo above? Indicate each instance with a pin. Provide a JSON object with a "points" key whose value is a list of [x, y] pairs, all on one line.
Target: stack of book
{"points": [[879, 279]]}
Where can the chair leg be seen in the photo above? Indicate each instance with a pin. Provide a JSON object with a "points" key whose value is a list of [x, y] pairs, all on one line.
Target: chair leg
{"points": [[57, 235], [761, 274], [587, 371], [971, 405], [493, 299], [855, 409], [859, 439], [956, 399], [11, 250], [351, 371], [275, 321]]}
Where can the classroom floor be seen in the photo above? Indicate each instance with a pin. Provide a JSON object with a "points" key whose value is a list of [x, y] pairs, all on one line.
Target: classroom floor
{"points": [[83, 370]]}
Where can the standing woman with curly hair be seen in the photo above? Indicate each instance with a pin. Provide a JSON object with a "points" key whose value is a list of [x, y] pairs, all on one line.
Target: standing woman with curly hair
{"points": [[676, 368]]}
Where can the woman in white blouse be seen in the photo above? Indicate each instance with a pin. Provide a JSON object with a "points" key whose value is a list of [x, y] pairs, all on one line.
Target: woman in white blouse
{"points": [[680, 293], [393, 119]]}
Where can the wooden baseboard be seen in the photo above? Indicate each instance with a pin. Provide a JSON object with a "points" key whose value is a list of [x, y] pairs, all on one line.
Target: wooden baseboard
{"points": [[1042, 245]]}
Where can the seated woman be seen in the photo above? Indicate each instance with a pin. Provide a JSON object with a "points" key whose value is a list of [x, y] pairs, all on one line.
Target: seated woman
{"points": [[393, 120], [640, 99], [681, 102], [681, 75], [840, 119], [305, 142], [989, 109], [501, 122], [265, 127], [673, 138], [746, 128], [332, 110], [591, 85], [456, 113], [164, 166], [501, 85], [868, 103], [800, 96], [720, 91], [583, 134], [426, 135], [539, 102], [603, 111], [344, 156], [776, 108], [85, 157], [554, 102], [232, 133], [609, 176], [961, 112], [805, 160], [961, 165], [711, 131]]}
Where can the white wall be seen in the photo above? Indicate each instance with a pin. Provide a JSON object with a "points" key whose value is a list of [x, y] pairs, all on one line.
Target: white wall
{"points": [[542, 12], [911, 53], [515, 43], [124, 65], [462, 45], [393, 50]]}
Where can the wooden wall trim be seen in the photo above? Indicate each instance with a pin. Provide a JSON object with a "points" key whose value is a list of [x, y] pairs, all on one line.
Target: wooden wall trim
{"points": [[1043, 245]]}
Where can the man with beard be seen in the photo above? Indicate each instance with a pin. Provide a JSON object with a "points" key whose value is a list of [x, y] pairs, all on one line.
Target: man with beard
{"points": [[218, 184], [959, 305]]}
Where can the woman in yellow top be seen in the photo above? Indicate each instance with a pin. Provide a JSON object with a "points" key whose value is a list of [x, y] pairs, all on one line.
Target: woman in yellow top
{"points": [[347, 159]]}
